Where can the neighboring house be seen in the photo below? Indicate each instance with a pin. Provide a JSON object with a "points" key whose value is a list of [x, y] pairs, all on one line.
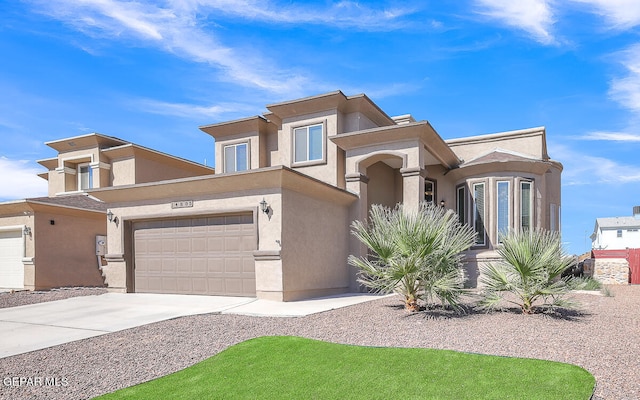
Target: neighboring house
{"points": [[274, 222], [56, 241], [615, 244]]}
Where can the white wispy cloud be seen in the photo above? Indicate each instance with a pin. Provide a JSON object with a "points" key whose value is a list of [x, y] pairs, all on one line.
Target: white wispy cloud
{"points": [[626, 89], [19, 180], [186, 110], [611, 136], [620, 14], [535, 17], [341, 14], [188, 29], [586, 169]]}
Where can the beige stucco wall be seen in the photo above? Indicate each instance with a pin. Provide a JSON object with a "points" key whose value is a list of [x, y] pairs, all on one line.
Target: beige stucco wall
{"points": [[528, 144], [315, 241], [123, 171], [148, 170], [65, 252], [356, 121]]}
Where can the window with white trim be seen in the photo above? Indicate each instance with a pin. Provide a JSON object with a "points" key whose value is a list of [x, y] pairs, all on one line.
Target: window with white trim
{"points": [[308, 143], [85, 177], [526, 205], [502, 209], [236, 157], [479, 213]]}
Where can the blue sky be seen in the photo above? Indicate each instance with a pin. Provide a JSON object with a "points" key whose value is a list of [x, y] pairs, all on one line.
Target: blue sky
{"points": [[152, 72]]}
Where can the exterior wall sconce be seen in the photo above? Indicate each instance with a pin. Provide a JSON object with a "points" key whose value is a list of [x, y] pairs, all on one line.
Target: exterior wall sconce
{"points": [[27, 230], [264, 206], [110, 215], [442, 203]]}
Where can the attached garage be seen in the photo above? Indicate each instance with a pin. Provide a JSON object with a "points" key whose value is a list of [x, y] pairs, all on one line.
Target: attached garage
{"points": [[210, 255], [11, 254]]}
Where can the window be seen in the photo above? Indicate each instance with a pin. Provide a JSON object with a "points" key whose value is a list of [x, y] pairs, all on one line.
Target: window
{"points": [[619, 233], [478, 213], [235, 157], [526, 201], [308, 143], [460, 201], [429, 191], [85, 177], [502, 211]]}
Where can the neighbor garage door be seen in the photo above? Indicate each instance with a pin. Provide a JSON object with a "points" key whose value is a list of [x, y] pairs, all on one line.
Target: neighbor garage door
{"points": [[11, 253], [209, 255]]}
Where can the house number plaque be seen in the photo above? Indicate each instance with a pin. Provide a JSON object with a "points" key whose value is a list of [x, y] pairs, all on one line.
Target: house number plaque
{"points": [[182, 204]]}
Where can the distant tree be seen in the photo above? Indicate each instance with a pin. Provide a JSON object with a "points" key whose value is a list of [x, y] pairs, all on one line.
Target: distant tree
{"points": [[414, 253], [529, 274]]}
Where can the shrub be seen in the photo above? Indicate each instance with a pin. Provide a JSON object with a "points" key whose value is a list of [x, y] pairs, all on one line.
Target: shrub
{"points": [[414, 253], [529, 273]]}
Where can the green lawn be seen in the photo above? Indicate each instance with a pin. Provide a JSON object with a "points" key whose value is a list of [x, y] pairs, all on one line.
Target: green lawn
{"points": [[283, 367]]}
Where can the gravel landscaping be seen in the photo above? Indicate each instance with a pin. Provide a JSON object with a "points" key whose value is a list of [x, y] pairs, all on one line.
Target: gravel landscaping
{"points": [[24, 297], [603, 338]]}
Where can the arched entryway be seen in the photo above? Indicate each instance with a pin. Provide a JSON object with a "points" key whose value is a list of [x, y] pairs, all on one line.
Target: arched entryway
{"points": [[385, 182]]}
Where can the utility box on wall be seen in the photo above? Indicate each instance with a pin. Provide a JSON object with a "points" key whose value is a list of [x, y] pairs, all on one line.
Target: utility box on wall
{"points": [[101, 245]]}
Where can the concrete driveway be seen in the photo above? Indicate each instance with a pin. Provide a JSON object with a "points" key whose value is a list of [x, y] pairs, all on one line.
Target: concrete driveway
{"points": [[38, 326]]}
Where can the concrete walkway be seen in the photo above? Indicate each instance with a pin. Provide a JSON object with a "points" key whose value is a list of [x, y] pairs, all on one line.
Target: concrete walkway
{"points": [[38, 326]]}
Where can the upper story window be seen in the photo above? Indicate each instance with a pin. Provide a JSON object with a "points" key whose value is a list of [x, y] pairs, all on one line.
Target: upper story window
{"points": [[308, 143], [85, 177], [236, 157], [619, 233]]}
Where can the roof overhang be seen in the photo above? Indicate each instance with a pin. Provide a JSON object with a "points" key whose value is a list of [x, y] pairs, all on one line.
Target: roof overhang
{"points": [[422, 131], [213, 185], [245, 125], [84, 141], [331, 101], [29, 207]]}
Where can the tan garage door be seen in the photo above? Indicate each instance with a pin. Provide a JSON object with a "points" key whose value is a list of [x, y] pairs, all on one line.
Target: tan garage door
{"points": [[209, 255]]}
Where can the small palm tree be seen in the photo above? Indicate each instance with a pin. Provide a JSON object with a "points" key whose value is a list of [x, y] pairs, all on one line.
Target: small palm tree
{"points": [[416, 254], [529, 274]]}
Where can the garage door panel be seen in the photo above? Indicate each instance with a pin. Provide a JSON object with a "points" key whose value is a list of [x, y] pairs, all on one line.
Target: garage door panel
{"points": [[198, 245], [199, 266], [233, 265], [212, 255], [215, 265]]}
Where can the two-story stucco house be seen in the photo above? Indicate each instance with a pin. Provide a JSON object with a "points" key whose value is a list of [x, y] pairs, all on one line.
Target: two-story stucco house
{"points": [[274, 221], [56, 241]]}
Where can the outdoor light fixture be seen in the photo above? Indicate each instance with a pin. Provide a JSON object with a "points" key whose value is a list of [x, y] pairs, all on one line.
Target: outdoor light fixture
{"points": [[27, 230], [110, 215], [442, 203], [264, 206]]}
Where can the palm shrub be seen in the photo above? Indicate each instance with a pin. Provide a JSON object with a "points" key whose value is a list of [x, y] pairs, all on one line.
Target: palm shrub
{"points": [[529, 274], [414, 253]]}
